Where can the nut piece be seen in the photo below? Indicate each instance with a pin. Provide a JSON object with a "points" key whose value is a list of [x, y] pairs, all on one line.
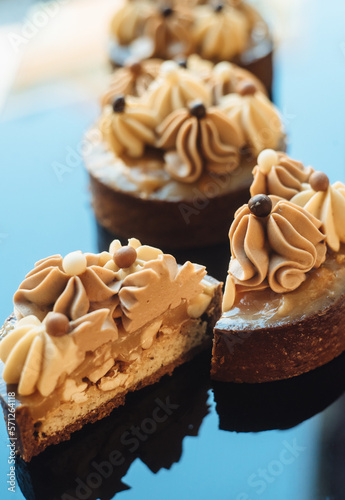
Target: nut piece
{"points": [[57, 324], [319, 181], [125, 256], [260, 205], [246, 88]]}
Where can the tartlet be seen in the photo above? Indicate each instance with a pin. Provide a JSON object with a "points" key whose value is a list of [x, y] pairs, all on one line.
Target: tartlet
{"points": [[284, 300], [218, 31], [89, 328], [175, 157]]}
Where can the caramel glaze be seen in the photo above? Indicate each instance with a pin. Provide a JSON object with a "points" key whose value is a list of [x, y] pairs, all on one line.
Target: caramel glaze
{"points": [[263, 308]]}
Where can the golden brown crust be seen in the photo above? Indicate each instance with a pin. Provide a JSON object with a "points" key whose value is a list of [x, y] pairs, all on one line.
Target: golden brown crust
{"points": [[163, 223], [281, 352]]}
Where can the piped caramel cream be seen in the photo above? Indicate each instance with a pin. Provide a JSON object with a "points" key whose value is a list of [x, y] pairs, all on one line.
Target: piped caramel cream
{"points": [[129, 295]]}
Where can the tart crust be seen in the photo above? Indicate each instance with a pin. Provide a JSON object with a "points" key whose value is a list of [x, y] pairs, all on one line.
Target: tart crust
{"points": [[278, 352]]}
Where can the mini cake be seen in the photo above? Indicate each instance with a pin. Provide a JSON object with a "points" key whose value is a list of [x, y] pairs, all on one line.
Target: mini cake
{"points": [[284, 298], [89, 328], [224, 31], [176, 157]]}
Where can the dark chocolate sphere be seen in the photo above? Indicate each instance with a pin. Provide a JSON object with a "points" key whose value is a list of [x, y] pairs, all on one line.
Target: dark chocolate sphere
{"points": [[119, 104], [260, 205]]}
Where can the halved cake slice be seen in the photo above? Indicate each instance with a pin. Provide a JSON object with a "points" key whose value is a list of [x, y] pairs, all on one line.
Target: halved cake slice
{"points": [[88, 328]]}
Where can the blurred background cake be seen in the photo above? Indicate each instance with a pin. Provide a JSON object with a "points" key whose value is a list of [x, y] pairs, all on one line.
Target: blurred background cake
{"points": [[231, 30], [174, 150]]}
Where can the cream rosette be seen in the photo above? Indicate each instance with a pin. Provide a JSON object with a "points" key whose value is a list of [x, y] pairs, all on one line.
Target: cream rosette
{"points": [[275, 248], [40, 355], [174, 88], [128, 127], [198, 140], [158, 286], [169, 28], [73, 285], [221, 32], [326, 202], [225, 78], [127, 22], [256, 115], [277, 174], [133, 79]]}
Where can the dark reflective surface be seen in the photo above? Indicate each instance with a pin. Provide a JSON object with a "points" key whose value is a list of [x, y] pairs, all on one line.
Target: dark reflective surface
{"points": [[43, 213]]}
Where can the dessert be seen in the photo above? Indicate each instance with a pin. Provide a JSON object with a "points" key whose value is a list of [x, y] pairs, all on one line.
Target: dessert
{"points": [[218, 31], [183, 399], [89, 328], [176, 157], [284, 298]]}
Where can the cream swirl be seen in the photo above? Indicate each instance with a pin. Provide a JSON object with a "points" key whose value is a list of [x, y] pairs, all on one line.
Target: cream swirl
{"points": [[220, 32], [128, 21], [169, 28], [159, 286], [277, 174], [226, 77], [202, 140], [327, 204], [275, 251], [175, 88], [133, 79], [128, 128], [73, 285], [258, 117], [36, 358]]}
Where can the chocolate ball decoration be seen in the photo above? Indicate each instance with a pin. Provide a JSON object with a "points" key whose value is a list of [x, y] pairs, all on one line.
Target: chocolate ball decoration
{"points": [[167, 11], [197, 109], [125, 257], [135, 68], [119, 104], [182, 62], [57, 324], [260, 205], [245, 88], [218, 7], [319, 181]]}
